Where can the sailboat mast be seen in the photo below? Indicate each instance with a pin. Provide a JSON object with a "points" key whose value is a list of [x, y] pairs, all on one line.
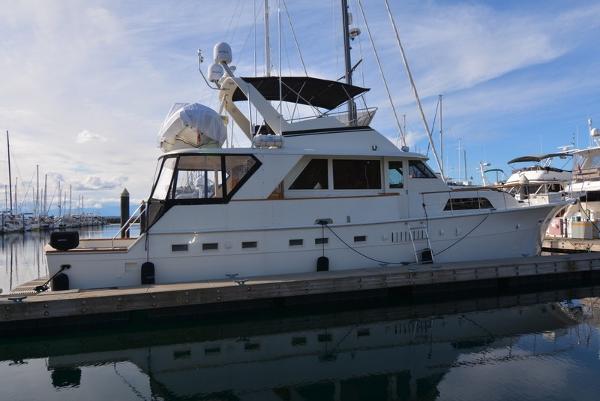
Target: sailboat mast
{"points": [[441, 136], [267, 42], [70, 199], [59, 200], [45, 194], [465, 163], [16, 195], [348, 59], [9, 173], [37, 190]]}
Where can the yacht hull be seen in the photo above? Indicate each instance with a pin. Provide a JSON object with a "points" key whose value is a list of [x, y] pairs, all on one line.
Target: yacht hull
{"points": [[188, 257]]}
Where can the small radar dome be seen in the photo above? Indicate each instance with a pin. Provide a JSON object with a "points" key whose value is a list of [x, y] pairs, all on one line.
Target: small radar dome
{"points": [[215, 72], [594, 132], [222, 53]]}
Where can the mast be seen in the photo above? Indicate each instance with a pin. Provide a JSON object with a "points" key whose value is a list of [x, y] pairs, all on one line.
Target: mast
{"points": [[59, 200], [9, 173], [348, 59], [45, 194], [441, 137], [414, 88], [16, 197], [459, 158], [37, 190], [465, 163], [70, 199], [267, 43]]}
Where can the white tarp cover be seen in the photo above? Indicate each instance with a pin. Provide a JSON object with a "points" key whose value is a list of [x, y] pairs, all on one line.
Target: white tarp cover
{"points": [[191, 125]]}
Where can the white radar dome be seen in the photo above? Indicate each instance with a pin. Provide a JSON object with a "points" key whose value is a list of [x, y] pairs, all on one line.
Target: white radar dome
{"points": [[222, 53], [594, 132], [215, 72]]}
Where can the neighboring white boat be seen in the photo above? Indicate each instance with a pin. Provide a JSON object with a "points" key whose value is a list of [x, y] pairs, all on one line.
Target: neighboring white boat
{"points": [[318, 193], [585, 183], [539, 183]]}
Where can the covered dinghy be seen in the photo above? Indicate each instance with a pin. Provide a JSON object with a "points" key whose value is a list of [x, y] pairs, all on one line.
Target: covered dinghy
{"points": [[191, 125]]}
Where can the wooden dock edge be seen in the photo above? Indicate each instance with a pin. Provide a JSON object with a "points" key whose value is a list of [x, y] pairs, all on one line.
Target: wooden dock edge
{"points": [[311, 286]]}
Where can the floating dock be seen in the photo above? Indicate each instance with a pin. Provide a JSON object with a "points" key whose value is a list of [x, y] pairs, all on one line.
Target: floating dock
{"points": [[91, 306], [571, 245]]}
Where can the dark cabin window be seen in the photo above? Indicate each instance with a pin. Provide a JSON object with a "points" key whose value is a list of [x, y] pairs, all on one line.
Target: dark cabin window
{"points": [[395, 175], [468, 204], [356, 174], [314, 176], [418, 169], [249, 244]]}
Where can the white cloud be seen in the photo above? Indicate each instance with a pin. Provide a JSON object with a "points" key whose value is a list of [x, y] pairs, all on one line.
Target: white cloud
{"points": [[86, 136], [95, 183]]}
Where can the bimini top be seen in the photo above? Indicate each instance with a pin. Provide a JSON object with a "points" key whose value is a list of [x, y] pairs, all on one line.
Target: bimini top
{"points": [[538, 158], [305, 90]]}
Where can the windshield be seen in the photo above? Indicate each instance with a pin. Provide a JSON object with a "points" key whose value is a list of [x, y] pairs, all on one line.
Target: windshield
{"points": [[164, 180]]}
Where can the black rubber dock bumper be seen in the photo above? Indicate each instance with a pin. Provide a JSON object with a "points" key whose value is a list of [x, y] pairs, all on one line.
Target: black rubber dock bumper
{"points": [[80, 308]]}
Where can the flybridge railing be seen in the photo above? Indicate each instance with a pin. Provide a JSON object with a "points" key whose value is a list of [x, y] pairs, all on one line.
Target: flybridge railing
{"points": [[364, 116], [136, 217]]}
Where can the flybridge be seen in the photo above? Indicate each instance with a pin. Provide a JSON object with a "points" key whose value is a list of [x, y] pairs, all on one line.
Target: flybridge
{"points": [[303, 90]]}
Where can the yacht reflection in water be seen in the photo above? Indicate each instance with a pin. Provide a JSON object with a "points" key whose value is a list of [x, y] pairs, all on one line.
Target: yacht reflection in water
{"points": [[370, 354]]}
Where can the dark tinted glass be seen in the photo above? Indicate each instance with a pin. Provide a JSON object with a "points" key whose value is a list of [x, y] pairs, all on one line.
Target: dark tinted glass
{"points": [[356, 174], [468, 203], [418, 169], [314, 176]]}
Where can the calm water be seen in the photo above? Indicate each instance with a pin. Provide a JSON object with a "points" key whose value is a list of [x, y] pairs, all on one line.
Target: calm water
{"points": [[548, 351], [22, 257]]}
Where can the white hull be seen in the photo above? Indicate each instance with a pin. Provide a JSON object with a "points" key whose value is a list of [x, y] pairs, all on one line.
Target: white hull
{"points": [[495, 234]]}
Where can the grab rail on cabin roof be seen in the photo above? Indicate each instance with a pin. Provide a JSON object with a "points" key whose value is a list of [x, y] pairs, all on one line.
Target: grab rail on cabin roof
{"points": [[134, 218]]}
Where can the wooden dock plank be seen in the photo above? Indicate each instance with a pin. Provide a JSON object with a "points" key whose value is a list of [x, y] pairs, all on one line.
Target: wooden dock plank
{"points": [[81, 303]]}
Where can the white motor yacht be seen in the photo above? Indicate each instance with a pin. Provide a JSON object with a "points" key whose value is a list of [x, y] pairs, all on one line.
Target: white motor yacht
{"points": [[321, 193], [538, 183]]}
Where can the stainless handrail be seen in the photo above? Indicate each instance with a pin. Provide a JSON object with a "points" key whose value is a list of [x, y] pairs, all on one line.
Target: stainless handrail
{"points": [[135, 216]]}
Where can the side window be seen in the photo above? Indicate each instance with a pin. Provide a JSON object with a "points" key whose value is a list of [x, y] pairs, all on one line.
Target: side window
{"points": [[418, 169], [356, 174], [468, 204], [237, 168], [395, 175], [199, 177], [314, 176]]}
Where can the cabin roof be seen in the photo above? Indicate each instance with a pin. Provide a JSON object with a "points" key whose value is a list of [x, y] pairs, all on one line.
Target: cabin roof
{"points": [[316, 92], [294, 151]]}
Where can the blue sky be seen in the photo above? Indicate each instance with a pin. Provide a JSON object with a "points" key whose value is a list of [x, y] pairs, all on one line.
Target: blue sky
{"points": [[86, 84]]}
